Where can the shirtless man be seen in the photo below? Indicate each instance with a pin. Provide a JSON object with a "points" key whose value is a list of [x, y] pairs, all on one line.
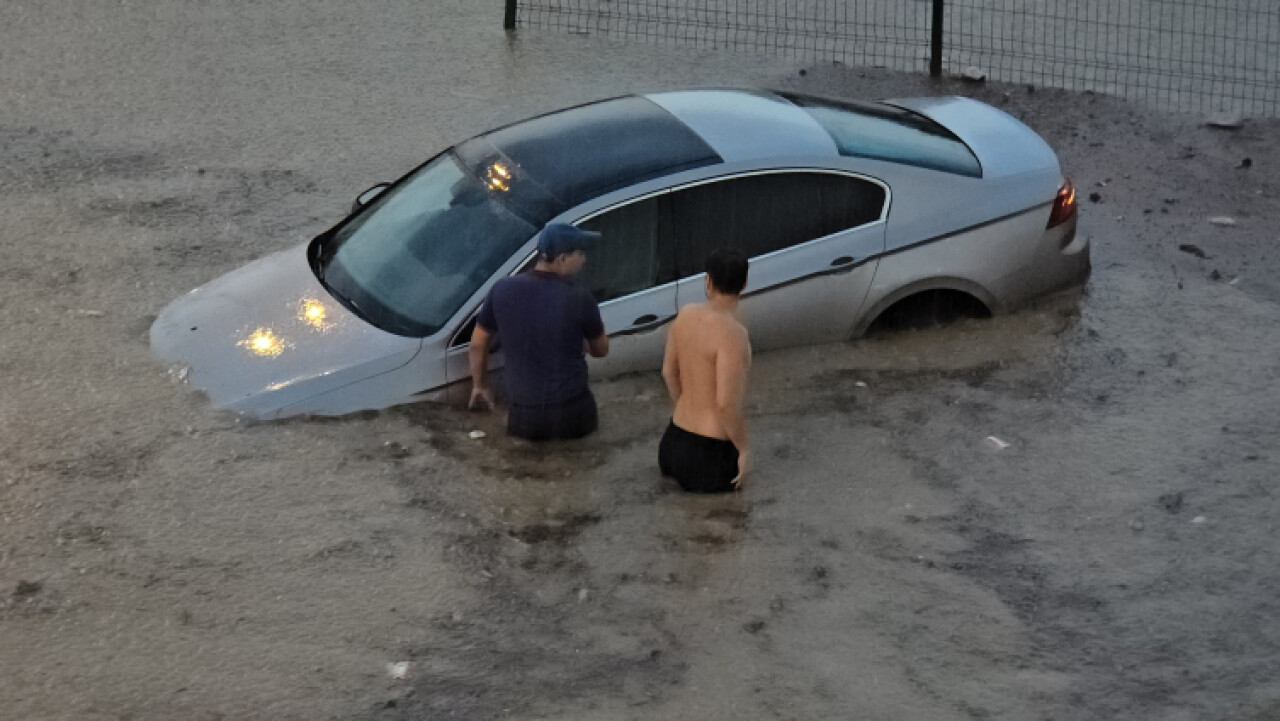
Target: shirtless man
{"points": [[708, 354]]}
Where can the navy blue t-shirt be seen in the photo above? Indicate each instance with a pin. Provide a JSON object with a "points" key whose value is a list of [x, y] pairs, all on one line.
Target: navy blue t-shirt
{"points": [[543, 320]]}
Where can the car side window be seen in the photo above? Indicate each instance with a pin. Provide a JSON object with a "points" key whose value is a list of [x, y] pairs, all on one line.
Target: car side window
{"points": [[760, 214], [634, 253]]}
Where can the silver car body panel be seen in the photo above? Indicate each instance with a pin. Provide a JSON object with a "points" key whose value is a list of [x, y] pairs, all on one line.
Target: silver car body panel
{"points": [[744, 125], [985, 236], [247, 340], [1004, 145]]}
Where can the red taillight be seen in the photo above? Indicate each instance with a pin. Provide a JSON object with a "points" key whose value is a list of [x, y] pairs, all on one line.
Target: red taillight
{"points": [[1064, 206]]}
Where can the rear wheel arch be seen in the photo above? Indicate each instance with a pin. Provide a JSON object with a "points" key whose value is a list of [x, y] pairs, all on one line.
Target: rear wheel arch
{"points": [[924, 286]]}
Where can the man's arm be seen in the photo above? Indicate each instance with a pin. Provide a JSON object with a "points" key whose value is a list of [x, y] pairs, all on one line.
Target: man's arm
{"points": [[671, 365], [478, 355], [593, 327], [732, 361], [598, 347]]}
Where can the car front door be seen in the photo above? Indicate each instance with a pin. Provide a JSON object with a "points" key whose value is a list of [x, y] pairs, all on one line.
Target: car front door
{"points": [[631, 273], [812, 237]]}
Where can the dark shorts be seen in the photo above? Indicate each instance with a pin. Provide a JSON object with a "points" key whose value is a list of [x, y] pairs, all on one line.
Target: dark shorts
{"points": [[699, 464], [573, 418]]}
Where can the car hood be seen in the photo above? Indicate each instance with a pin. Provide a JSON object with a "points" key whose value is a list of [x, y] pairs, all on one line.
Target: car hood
{"points": [[268, 334], [1003, 144]]}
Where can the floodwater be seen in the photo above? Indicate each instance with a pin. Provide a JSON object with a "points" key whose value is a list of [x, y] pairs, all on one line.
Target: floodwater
{"points": [[159, 560]]}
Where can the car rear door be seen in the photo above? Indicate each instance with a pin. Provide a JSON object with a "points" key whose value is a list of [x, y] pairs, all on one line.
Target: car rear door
{"points": [[813, 237]]}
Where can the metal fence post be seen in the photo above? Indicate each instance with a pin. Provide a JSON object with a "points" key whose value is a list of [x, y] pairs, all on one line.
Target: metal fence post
{"points": [[935, 45], [509, 19]]}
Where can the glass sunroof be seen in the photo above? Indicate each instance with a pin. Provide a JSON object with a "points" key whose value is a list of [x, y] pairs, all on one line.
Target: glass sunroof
{"points": [[558, 160]]}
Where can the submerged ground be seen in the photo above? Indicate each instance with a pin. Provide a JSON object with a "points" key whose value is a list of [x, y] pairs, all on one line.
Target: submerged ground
{"points": [[159, 560]]}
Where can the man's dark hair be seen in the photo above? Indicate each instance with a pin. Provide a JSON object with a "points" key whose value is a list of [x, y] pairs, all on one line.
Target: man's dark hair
{"points": [[727, 269]]}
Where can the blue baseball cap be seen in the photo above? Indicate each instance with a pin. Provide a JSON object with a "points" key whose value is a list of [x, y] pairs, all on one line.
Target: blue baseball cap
{"points": [[559, 238]]}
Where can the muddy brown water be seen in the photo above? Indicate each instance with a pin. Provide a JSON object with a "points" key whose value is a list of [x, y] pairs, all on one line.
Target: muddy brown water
{"points": [[159, 560]]}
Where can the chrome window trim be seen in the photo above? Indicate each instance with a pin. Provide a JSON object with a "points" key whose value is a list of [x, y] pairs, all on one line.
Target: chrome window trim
{"points": [[620, 204], [884, 210], [476, 310], [884, 215]]}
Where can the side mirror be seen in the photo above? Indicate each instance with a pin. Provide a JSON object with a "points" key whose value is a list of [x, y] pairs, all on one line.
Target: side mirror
{"points": [[367, 196]]}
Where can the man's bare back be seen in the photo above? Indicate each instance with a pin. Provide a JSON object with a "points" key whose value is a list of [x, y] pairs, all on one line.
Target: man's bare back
{"points": [[710, 354]]}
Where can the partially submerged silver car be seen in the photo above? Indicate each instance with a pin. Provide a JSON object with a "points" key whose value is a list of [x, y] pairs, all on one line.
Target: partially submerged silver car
{"points": [[845, 209]]}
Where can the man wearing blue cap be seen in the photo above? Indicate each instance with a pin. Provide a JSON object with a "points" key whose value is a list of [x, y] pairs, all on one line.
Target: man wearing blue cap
{"points": [[546, 320]]}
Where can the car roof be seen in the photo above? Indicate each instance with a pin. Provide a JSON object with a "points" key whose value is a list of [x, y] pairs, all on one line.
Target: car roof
{"points": [[569, 156], [744, 124]]}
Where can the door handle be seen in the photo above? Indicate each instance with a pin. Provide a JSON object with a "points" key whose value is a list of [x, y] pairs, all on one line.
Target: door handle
{"points": [[842, 260], [644, 324]]}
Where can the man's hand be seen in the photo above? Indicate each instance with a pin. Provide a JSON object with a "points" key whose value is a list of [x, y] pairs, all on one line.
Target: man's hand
{"points": [[481, 394], [744, 467], [478, 360]]}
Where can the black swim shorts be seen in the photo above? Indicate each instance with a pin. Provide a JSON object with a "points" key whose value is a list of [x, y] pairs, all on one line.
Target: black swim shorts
{"points": [[699, 464], [573, 418]]}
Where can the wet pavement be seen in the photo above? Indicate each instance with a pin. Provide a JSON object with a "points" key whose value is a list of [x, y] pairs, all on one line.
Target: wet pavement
{"points": [[159, 560]]}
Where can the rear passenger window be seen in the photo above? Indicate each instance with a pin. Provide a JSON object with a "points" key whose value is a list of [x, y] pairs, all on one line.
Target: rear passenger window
{"points": [[760, 214]]}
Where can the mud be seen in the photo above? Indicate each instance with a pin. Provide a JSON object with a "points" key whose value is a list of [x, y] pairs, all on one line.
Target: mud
{"points": [[159, 560]]}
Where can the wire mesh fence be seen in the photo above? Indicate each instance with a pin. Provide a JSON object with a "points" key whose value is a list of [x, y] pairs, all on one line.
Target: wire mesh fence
{"points": [[1190, 55], [1200, 55], [891, 33]]}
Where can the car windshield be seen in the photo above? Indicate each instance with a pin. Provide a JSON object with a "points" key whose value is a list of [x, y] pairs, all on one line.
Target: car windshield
{"points": [[410, 261], [884, 132]]}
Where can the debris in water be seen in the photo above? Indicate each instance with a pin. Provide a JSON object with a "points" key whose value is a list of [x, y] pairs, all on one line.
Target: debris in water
{"points": [[398, 670], [89, 313], [1198, 519], [583, 595], [396, 450], [26, 589], [1226, 120], [1192, 249], [1246, 163], [860, 384], [1095, 197], [1172, 502], [1223, 221], [996, 443], [1137, 524], [477, 435]]}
